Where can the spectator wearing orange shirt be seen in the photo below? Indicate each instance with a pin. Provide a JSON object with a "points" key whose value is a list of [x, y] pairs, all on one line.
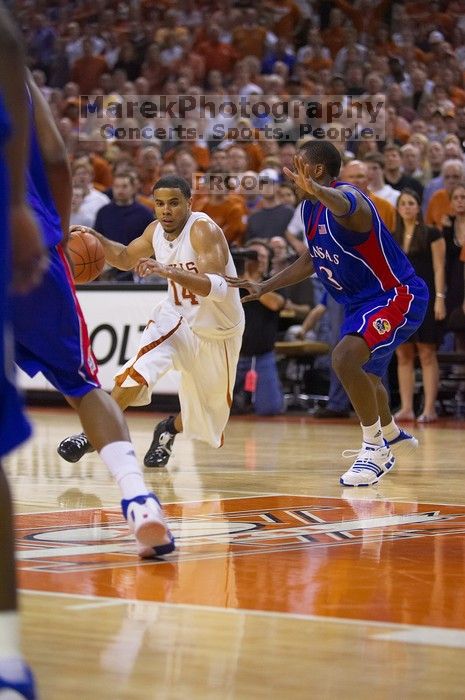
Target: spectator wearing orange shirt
{"points": [[286, 17], [87, 70], [356, 173], [334, 34], [226, 209], [364, 14], [249, 38], [217, 55], [453, 172]]}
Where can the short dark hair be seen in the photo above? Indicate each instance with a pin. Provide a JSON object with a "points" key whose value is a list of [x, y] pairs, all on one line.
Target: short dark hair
{"points": [[174, 182], [323, 152], [374, 157]]}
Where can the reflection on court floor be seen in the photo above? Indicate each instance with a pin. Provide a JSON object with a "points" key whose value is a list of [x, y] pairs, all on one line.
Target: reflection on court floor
{"points": [[350, 558]]}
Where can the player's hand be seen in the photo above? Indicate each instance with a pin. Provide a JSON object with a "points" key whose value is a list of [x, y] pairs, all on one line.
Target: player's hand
{"points": [[300, 333], [301, 176], [255, 289], [86, 229], [149, 266], [30, 257]]}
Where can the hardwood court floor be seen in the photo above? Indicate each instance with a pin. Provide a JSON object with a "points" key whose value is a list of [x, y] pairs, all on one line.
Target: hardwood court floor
{"points": [[283, 583]]}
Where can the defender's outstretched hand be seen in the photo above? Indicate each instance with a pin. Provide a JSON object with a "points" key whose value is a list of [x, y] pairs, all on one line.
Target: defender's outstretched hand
{"points": [[301, 176], [254, 288]]}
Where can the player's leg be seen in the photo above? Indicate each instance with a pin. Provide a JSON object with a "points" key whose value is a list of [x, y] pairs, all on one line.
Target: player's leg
{"points": [[104, 423], [406, 376], [430, 372], [14, 429], [162, 443], [400, 441], [136, 379], [375, 458], [14, 673]]}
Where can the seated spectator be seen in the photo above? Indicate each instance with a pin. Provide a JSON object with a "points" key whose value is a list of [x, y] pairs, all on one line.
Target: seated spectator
{"points": [[87, 70], [426, 250], [123, 219], [300, 294], [376, 183], [435, 155], [148, 162], [76, 201], [273, 217], [257, 384], [94, 200], [338, 405], [394, 174], [411, 162], [226, 209], [356, 173], [453, 172], [287, 195]]}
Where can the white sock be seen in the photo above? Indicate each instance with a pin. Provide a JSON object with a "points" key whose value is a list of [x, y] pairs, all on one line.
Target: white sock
{"points": [[373, 433], [9, 634], [390, 431], [121, 460]]}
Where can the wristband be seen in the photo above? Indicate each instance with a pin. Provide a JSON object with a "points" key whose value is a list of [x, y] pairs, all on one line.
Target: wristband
{"points": [[219, 288], [440, 295], [352, 199]]}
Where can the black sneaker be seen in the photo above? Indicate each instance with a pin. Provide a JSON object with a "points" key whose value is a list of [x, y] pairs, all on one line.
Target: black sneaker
{"points": [[74, 447], [159, 451]]}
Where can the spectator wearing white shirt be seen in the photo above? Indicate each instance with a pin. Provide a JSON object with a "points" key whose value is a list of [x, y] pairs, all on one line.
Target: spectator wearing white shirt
{"points": [[376, 181], [83, 174]]}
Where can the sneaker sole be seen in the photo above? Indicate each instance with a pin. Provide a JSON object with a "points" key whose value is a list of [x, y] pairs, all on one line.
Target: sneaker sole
{"points": [[371, 483], [151, 534], [404, 448], [157, 551], [157, 465]]}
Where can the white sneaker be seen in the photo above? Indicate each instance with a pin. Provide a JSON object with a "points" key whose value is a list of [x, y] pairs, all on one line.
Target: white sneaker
{"points": [[146, 521], [403, 445], [372, 463]]}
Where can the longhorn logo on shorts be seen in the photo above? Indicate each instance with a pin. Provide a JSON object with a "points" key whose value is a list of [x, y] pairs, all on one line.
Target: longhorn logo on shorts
{"points": [[382, 325]]}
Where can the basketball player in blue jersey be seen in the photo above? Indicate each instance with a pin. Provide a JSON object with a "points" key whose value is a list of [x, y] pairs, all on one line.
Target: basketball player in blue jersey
{"points": [[51, 335], [23, 260], [363, 268]]}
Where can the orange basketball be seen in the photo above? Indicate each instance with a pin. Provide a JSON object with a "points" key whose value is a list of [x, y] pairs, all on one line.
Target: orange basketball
{"points": [[87, 254]]}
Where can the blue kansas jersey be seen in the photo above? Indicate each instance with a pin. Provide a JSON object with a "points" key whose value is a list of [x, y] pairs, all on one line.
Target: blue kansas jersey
{"points": [[353, 266], [39, 195]]}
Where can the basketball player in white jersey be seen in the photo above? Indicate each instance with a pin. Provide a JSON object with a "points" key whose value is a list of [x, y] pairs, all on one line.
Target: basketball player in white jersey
{"points": [[196, 330]]}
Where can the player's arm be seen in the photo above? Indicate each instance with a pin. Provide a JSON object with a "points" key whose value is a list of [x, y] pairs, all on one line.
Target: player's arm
{"points": [[54, 155], [124, 257], [298, 271], [211, 248], [345, 203], [29, 255]]}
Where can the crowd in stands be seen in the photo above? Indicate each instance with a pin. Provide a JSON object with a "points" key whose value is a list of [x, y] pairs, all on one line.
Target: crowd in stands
{"points": [[411, 52]]}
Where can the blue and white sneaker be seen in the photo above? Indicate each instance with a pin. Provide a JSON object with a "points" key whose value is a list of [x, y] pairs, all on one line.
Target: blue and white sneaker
{"points": [[146, 521], [371, 464], [403, 445], [23, 689]]}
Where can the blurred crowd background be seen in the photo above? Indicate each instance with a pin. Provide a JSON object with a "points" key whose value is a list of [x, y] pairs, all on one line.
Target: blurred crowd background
{"points": [[412, 53]]}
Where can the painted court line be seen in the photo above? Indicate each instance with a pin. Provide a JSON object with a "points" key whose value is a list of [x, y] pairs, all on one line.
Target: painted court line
{"points": [[428, 636], [414, 634]]}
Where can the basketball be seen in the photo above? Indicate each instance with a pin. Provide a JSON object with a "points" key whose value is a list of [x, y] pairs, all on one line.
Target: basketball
{"points": [[86, 252]]}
